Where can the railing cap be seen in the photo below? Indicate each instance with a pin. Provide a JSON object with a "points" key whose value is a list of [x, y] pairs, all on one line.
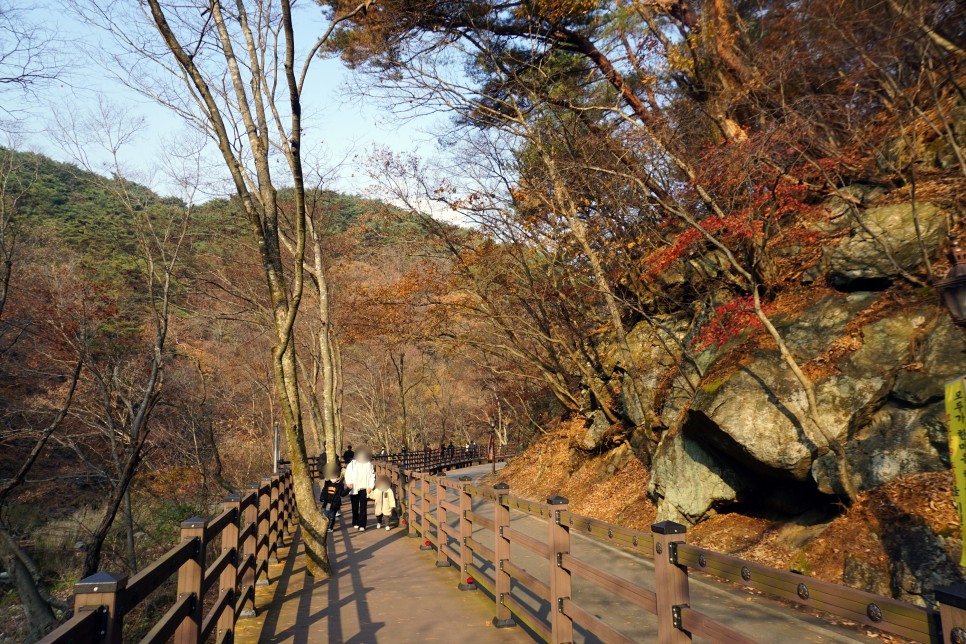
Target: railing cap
{"points": [[252, 486], [668, 527], [501, 486], [232, 498], [954, 596], [465, 478], [557, 500], [193, 522], [101, 582]]}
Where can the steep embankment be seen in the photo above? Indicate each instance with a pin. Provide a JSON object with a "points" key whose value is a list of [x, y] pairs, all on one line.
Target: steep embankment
{"points": [[737, 455], [900, 539]]}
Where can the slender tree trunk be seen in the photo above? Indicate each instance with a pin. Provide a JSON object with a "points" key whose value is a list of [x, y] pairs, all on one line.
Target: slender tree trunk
{"points": [[92, 560], [130, 551]]}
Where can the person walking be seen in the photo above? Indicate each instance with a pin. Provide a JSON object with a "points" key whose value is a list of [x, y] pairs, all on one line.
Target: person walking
{"points": [[385, 502], [360, 478], [348, 455], [333, 489]]}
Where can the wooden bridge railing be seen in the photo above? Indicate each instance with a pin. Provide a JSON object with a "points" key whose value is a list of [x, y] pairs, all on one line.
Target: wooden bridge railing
{"points": [[427, 515], [249, 531]]}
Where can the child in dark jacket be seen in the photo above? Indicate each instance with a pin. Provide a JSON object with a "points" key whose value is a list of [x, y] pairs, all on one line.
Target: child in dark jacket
{"points": [[333, 489]]}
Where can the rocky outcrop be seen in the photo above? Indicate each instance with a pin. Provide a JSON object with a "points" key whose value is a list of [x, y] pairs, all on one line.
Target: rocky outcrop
{"points": [[750, 424], [691, 482], [883, 242]]}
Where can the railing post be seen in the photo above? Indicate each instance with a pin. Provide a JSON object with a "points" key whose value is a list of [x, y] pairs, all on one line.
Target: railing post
{"points": [[952, 613], [283, 506], [670, 581], [424, 504], [466, 533], [191, 576], [410, 483], [442, 560], [501, 550], [102, 592], [274, 532], [249, 547], [561, 626], [228, 582], [263, 542]]}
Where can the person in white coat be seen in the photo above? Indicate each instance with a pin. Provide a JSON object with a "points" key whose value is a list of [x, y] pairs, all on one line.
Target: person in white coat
{"points": [[384, 502], [360, 478]]}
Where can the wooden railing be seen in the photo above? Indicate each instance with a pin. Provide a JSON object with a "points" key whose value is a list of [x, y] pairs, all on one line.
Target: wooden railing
{"points": [[249, 530], [427, 513], [434, 461]]}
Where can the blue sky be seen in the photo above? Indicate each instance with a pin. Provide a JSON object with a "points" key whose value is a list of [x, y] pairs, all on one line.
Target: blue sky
{"points": [[343, 126]]}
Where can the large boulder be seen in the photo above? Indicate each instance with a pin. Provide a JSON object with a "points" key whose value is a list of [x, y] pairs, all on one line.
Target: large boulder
{"points": [[815, 328], [860, 260], [919, 563], [897, 441], [940, 358], [691, 483], [758, 415]]}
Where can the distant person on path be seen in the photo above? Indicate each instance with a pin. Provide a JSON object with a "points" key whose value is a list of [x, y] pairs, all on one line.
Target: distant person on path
{"points": [[348, 455], [333, 489], [405, 457], [360, 478], [385, 501], [451, 450]]}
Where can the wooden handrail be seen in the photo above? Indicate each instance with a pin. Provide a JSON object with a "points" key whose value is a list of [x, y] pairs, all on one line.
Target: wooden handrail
{"points": [[665, 544], [172, 620], [214, 527], [102, 600], [84, 626]]}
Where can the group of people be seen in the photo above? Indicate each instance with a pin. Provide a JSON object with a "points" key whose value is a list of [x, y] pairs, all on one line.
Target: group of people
{"points": [[360, 483]]}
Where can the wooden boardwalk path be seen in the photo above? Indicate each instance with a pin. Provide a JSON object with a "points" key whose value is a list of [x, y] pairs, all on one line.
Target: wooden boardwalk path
{"points": [[383, 590]]}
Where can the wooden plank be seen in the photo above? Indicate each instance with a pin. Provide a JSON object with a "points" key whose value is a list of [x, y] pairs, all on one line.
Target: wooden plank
{"points": [[481, 578], [642, 542], [700, 624], [214, 527], [523, 614], [898, 617], [481, 521], [450, 507], [529, 543], [594, 624], [214, 570], [165, 627], [637, 595], [85, 626], [480, 549], [210, 621], [157, 572], [452, 554], [530, 582], [532, 508], [449, 531]]}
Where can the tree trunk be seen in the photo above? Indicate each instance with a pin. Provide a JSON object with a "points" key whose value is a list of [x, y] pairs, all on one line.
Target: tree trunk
{"points": [[40, 616]]}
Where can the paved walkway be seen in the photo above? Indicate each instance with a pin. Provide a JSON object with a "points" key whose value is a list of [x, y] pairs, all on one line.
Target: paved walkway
{"points": [[384, 589]]}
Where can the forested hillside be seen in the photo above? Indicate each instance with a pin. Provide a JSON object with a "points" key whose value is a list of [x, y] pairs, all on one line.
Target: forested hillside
{"points": [[79, 332]]}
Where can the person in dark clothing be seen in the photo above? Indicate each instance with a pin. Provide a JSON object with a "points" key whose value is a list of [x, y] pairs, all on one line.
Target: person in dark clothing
{"points": [[348, 455], [451, 450], [333, 489]]}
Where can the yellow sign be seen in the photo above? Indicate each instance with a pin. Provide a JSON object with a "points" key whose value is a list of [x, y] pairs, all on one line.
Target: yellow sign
{"points": [[956, 422]]}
